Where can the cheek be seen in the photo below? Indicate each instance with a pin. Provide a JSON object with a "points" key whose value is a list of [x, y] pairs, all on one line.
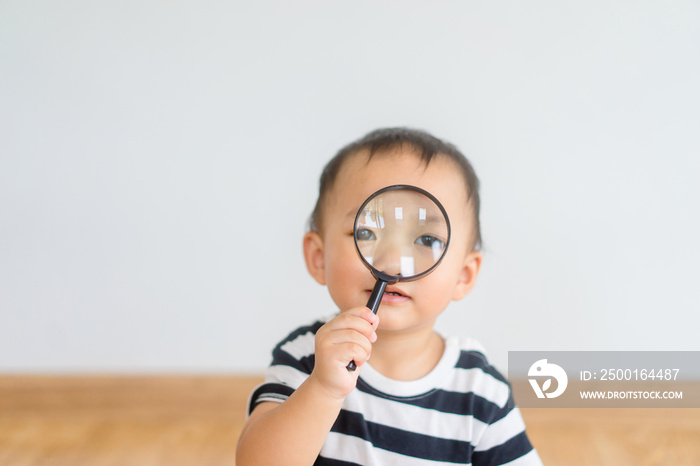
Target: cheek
{"points": [[438, 291], [345, 276], [341, 259], [440, 284]]}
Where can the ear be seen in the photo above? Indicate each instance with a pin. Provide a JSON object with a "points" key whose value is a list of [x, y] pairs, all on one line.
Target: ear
{"points": [[313, 255], [468, 274]]}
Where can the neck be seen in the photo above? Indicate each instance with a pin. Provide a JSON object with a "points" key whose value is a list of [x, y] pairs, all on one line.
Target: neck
{"points": [[406, 355]]}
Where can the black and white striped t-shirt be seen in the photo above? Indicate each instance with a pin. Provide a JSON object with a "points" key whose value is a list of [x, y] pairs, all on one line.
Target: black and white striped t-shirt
{"points": [[462, 412]]}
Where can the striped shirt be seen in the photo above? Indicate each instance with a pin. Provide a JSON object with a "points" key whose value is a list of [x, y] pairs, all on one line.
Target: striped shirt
{"points": [[462, 412]]}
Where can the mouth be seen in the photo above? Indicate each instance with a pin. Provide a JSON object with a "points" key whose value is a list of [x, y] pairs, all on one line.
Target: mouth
{"points": [[392, 296]]}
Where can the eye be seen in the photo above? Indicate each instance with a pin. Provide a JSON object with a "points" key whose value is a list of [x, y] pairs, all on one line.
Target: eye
{"points": [[364, 234], [430, 241]]}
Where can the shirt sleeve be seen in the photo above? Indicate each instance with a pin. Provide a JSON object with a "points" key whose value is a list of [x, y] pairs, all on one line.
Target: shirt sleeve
{"points": [[292, 362], [504, 441]]}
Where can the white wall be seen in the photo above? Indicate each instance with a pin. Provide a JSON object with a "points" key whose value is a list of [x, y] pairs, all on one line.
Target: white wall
{"points": [[158, 161]]}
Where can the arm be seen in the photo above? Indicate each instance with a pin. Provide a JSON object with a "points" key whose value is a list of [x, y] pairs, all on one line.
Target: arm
{"points": [[293, 432], [504, 440]]}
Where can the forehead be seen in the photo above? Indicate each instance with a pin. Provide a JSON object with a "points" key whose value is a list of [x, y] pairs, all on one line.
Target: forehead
{"points": [[360, 176]]}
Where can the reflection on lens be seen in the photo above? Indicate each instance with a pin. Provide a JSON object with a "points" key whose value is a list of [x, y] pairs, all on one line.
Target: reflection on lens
{"points": [[407, 266], [402, 231]]}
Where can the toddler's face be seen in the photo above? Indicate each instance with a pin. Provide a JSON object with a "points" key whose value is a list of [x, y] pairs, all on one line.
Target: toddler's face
{"points": [[409, 305]]}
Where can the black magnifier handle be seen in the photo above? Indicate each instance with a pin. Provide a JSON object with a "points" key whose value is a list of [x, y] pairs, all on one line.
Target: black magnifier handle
{"points": [[373, 304], [376, 296]]}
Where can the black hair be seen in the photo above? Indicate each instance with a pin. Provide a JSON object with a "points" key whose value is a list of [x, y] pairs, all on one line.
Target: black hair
{"points": [[385, 140]]}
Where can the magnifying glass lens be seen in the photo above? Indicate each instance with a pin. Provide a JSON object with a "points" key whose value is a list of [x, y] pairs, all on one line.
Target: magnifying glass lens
{"points": [[401, 233]]}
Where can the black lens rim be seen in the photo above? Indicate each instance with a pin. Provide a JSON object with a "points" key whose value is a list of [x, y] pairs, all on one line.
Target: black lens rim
{"points": [[378, 274]]}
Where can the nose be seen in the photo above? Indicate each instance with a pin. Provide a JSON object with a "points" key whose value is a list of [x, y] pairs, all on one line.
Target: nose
{"points": [[394, 259]]}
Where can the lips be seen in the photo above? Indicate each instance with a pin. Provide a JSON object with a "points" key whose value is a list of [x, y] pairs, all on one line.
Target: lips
{"points": [[393, 295]]}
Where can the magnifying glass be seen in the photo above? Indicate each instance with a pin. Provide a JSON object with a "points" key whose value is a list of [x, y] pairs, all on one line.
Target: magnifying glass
{"points": [[401, 234]]}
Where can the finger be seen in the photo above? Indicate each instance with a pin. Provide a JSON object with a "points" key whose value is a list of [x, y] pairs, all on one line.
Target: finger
{"points": [[328, 338], [361, 311], [353, 352], [349, 336], [368, 315], [354, 321]]}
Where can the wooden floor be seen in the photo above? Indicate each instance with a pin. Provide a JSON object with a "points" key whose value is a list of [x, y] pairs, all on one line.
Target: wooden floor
{"points": [[196, 421]]}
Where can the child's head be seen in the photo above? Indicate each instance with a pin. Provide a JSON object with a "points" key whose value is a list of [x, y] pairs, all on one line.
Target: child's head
{"points": [[382, 158], [385, 141]]}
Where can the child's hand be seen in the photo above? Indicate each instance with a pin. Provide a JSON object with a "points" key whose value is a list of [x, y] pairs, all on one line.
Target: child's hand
{"points": [[348, 337]]}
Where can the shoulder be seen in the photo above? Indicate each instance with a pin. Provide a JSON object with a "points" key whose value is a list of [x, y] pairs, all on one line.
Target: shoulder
{"points": [[300, 342], [472, 355], [474, 373], [499, 435], [309, 327], [292, 362], [298, 348]]}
